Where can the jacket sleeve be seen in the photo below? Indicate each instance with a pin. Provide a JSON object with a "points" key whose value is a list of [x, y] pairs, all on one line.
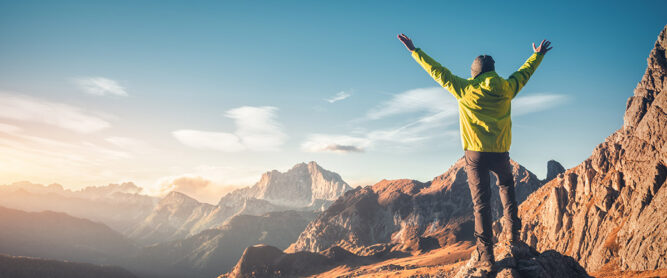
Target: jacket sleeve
{"points": [[454, 84], [518, 79]]}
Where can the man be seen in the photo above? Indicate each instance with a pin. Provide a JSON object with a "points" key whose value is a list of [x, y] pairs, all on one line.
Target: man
{"points": [[484, 118]]}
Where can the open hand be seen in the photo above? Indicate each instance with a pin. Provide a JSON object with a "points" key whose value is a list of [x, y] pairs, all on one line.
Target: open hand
{"points": [[543, 48], [406, 41]]}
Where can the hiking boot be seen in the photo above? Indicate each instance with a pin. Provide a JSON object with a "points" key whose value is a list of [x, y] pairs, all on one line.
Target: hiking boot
{"points": [[485, 259]]}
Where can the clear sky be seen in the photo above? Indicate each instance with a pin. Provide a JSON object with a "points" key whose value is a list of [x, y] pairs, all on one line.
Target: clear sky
{"points": [[94, 92]]}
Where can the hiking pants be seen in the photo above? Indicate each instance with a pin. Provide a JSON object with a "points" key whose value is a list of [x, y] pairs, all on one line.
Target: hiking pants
{"points": [[478, 165]]}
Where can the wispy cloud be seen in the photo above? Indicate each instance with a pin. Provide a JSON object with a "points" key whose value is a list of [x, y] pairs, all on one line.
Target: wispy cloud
{"points": [[339, 96], [256, 130], [537, 102], [427, 109], [31, 109], [431, 112], [335, 143], [100, 86], [432, 100]]}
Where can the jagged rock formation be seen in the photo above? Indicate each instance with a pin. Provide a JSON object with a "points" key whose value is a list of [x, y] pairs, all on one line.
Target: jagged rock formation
{"points": [[520, 260], [404, 215], [55, 235], [298, 187], [553, 169], [25, 267], [611, 207], [215, 251]]}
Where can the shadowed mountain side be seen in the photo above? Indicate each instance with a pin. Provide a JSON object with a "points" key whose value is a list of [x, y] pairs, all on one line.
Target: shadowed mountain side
{"points": [[405, 215], [175, 216], [611, 207], [215, 251], [59, 236], [25, 267]]}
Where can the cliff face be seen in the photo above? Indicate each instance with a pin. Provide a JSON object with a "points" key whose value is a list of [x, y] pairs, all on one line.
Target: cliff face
{"points": [[404, 215], [611, 207]]}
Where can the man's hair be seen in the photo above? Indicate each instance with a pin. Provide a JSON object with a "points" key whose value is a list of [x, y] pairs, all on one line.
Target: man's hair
{"points": [[482, 64]]}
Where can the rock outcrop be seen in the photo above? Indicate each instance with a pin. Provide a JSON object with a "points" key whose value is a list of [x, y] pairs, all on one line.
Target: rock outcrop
{"points": [[520, 260], [553, 169], [267, 261], [404, 215], [611, 207]]}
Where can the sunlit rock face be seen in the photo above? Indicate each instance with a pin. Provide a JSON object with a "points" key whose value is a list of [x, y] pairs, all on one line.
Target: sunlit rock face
{"points": [[611, 207], [300, 186]]}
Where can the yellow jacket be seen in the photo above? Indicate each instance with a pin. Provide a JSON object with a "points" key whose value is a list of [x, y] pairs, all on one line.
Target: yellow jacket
{"points": [[484, 102]]}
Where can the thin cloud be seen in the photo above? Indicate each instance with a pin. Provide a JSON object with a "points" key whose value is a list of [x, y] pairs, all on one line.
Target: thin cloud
{"points": [[338, 97], [100, 86], [31, 109], [256, 130], [426, 100], [335, 143], [534, 103], [428, 108]]}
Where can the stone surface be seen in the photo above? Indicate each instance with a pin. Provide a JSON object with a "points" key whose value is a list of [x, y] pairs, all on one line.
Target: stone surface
{"points": [[520, 260], [612, 205]]}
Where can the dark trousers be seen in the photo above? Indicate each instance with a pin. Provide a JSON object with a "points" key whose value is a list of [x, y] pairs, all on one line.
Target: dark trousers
{"points": [[478, 165]]}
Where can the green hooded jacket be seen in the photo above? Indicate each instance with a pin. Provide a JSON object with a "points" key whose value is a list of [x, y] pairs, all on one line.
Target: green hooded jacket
{"points": [[485, 102]]}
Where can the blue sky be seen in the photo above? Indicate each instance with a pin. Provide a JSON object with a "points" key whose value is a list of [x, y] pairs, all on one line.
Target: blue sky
{"points": [[146, 91]]}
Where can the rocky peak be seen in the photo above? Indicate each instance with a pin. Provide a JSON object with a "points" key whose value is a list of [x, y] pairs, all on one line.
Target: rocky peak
{"points": [[651, 85], [300, 186], [553, 169], [177, 198]]}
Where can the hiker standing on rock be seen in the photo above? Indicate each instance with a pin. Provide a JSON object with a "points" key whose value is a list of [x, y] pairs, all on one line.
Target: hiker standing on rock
{"points": [[485, 120]]}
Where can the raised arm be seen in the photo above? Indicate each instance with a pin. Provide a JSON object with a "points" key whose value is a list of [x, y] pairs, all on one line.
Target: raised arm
{"points": [[518, 79], [454, 84]]}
